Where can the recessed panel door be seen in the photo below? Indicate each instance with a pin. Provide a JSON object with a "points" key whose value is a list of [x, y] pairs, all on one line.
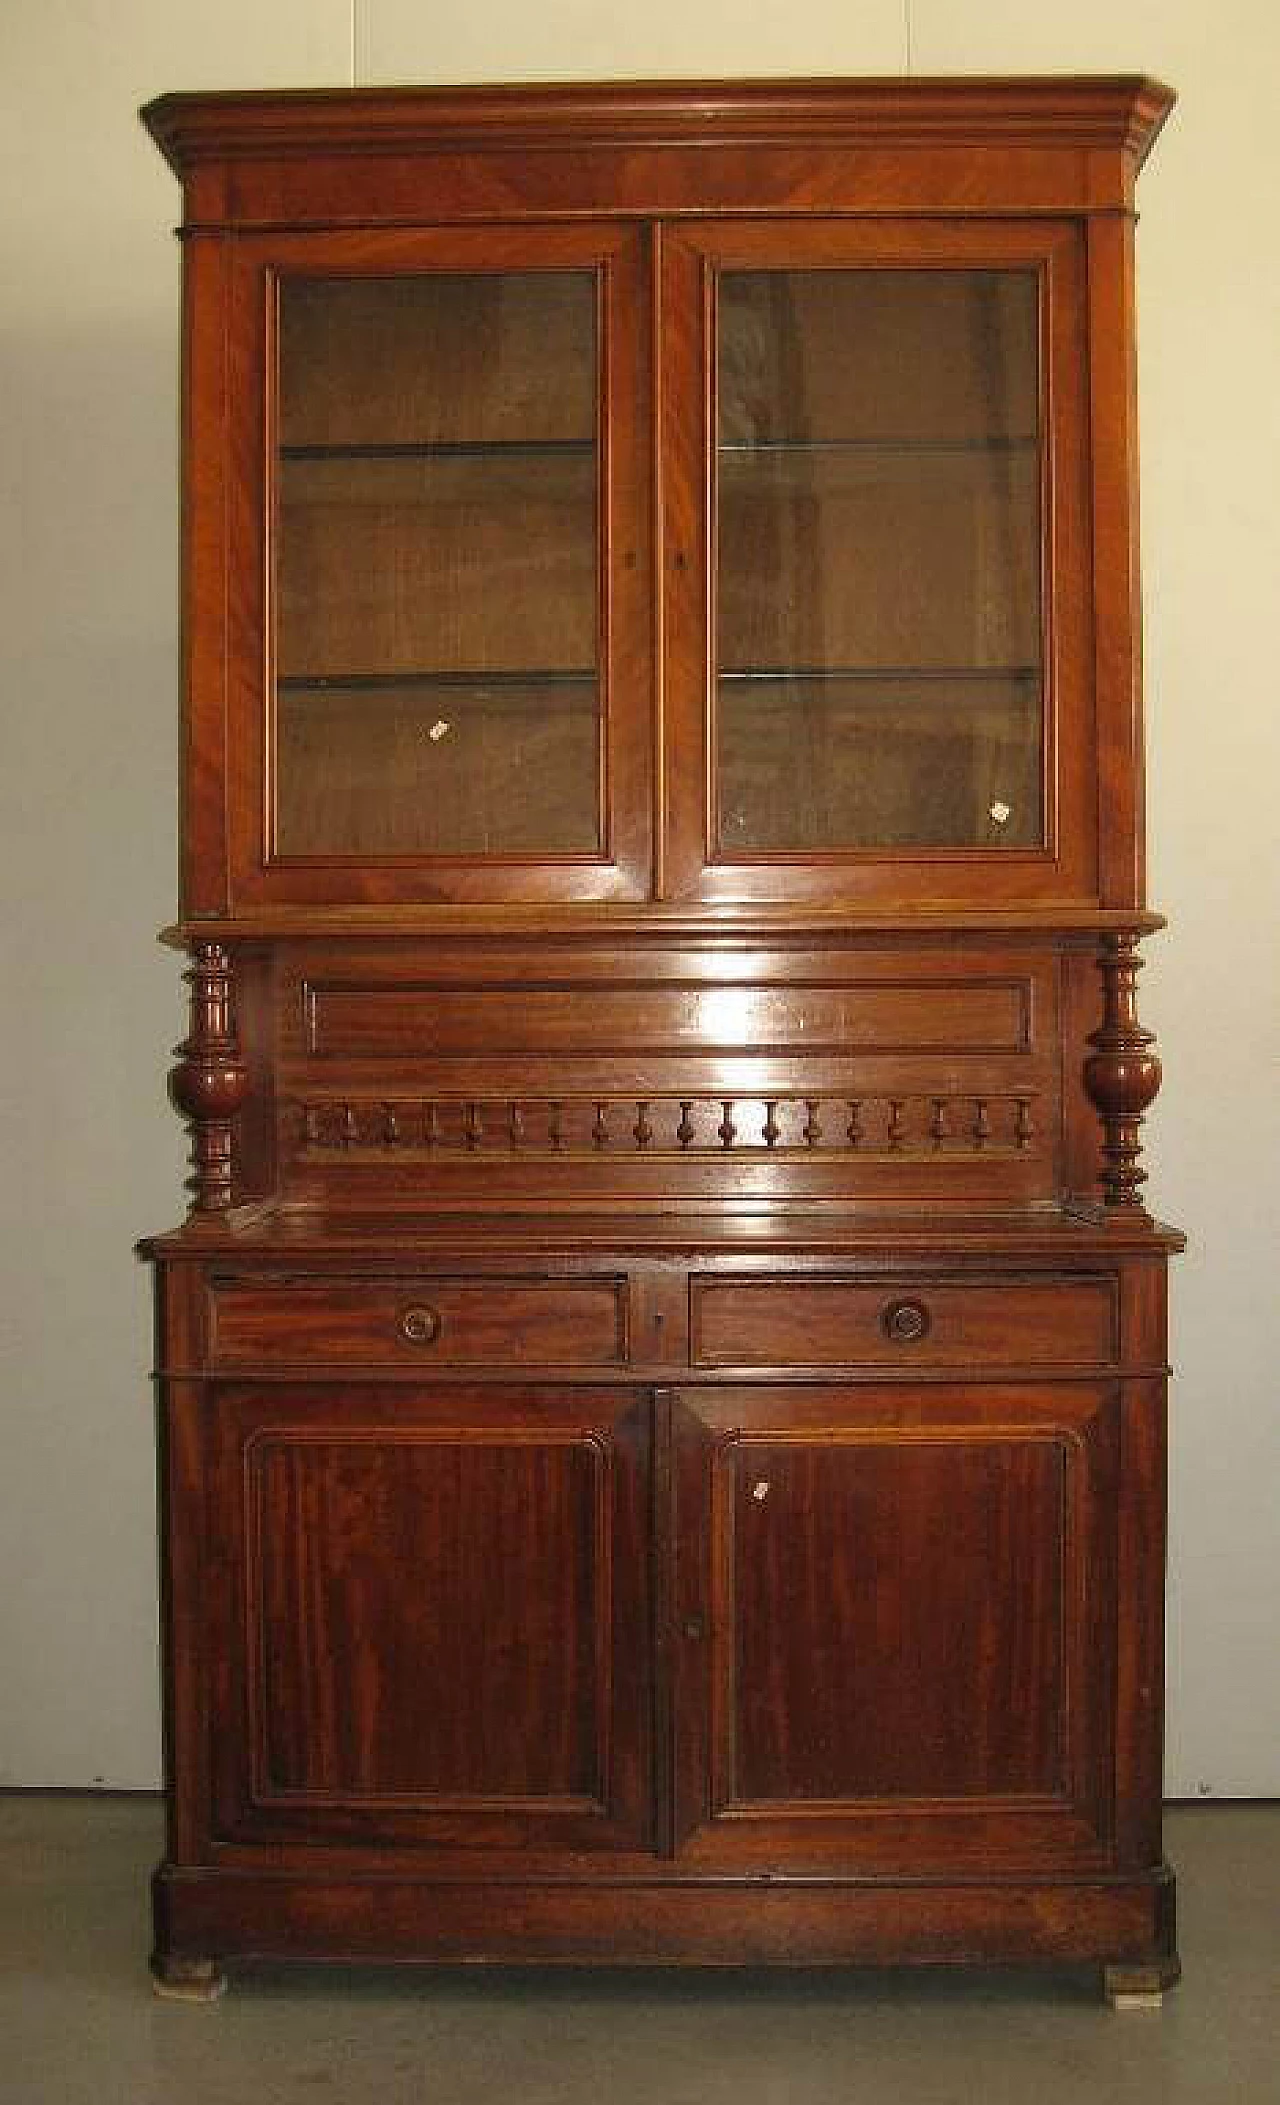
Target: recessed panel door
{"points": [[430, 1617], [895, 1615]]}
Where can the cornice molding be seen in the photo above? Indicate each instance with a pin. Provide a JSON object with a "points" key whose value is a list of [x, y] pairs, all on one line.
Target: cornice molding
{"points": [[1067, 111]]}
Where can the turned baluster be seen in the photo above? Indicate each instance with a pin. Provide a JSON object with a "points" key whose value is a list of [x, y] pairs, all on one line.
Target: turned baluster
{"points": [[210, 1083], [1121, 1074]]}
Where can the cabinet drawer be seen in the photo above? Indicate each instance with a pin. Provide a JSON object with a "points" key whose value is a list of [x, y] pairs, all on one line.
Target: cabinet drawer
{"points": [[419, 1322], [961, 1323]]}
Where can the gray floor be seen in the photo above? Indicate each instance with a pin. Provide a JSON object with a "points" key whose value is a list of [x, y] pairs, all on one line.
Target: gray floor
{"points": [[78, 2021]]}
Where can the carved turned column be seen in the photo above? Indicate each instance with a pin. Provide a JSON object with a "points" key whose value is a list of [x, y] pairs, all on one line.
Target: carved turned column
{"points": [[211, 1081], [1122, 1073]]}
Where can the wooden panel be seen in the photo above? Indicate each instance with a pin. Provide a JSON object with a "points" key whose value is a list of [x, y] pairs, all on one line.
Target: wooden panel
{"points": [[603, 1068], [792, 180], [439, 1605], [921, 1012], [903, 1323], [415, 1321], [897, 1619], [206, 567], [372, 1602], [322, 1912], [899, 1613], [1117, 592]]}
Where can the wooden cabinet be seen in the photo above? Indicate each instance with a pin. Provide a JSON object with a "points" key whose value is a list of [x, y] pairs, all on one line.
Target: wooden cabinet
{"points": [[663, 1378]]}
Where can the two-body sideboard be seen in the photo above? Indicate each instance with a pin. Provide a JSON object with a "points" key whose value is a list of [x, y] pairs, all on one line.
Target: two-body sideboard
{"points": [[662, 1383]]}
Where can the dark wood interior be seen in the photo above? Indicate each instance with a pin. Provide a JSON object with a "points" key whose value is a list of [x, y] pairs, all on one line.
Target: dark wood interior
{"points": [[662, 1381]]}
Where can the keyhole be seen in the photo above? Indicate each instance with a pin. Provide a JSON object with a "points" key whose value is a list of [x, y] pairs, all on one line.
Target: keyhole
{"points": [[760, 1490]]}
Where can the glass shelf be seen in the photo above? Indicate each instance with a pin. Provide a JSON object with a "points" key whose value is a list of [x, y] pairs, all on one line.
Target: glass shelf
{"points": [[1015, 444], [442, 449], [379, 682], [986, 675]]}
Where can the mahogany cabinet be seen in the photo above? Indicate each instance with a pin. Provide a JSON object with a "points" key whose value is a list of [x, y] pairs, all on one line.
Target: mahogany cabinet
{"points": [[662, 1380]]}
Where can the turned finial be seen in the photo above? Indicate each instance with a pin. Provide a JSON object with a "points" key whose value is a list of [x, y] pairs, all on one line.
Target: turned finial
{"points": [[1121, 1074], [210, 1083]]}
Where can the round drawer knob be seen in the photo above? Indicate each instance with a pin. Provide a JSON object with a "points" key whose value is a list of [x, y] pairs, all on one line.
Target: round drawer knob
{"points": [[905, 1322], [419, 1326]]}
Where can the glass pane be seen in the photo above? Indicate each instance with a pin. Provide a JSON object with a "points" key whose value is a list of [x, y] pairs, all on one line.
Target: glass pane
{"points": [[878, 561], [436, 567]]}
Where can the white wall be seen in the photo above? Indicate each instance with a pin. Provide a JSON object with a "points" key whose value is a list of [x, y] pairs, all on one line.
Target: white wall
{"points": [[89, 1156]]}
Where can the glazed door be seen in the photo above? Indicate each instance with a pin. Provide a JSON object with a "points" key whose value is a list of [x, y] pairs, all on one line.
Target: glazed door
{"points": [[895, 1617], [437, 554], [876, 557], [429, 1617]]}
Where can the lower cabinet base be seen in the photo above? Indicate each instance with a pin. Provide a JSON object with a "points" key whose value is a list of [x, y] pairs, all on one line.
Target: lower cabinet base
{"points": [[1124, 1924]]}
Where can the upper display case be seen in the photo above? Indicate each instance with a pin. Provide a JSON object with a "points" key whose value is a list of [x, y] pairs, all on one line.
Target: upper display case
{"points": [[720, 544]]}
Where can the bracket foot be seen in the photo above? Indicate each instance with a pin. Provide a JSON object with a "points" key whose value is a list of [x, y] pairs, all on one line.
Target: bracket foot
{"points": [[1129, 1987], [187, 1980]]}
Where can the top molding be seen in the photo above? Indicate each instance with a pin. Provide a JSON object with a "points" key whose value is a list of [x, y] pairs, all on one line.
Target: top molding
{"points": [[1122, 112]]}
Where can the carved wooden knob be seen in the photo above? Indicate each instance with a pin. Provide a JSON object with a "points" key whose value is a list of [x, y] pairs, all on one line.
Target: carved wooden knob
{"points": [[419, 1326], [905, 1322]]}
